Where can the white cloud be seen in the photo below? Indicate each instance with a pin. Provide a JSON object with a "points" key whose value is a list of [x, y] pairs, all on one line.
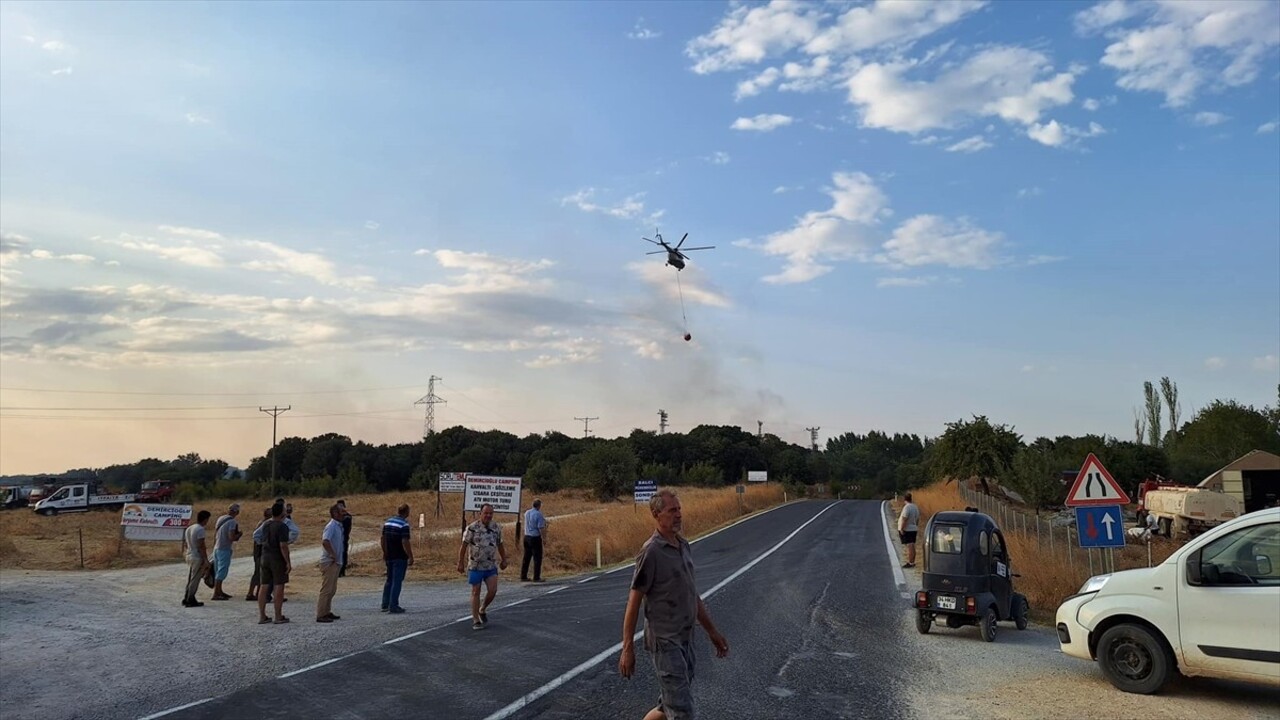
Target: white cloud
{"points": [[1011, 83], [193, 233], [197, 119], [1055, 134], [755, 85], [73, 257], [1270, 127], [1045, 259], [1033, 191], [642, 32], [1266, 363], [719, 158], [837, 233], [750, 33], [630, 208], [1209, 119], [762, 123], [276, 258], [1090, 104], [934, 240], [185, 254], [372, 225], [1104, 15], [1182, 48], [927, 140], [1215, 363], [904, 281], [54, 46], [891, 24], [798, 77], [970, 145], [696, 285], [63, 71]]}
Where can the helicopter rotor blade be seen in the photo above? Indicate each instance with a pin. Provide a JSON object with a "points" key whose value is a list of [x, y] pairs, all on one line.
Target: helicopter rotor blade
{"points": [[686, 237], [704, 247], [657, 252]]}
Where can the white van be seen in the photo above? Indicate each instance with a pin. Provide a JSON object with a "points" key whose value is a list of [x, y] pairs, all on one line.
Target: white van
{"points": [[1212, 609]]}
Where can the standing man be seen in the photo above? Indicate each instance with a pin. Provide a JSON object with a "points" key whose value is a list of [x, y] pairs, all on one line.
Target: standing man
{"points": [[663, 582], [197, 557], [294, 530], [482, 544], [908, 524], [225, 533], [397, 552], [535, 529], [254, 581], [346, 536], [276, 566], [330, 564]]}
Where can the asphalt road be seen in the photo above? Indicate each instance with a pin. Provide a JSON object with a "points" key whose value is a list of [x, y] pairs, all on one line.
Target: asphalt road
{"points": [[814, 629]]}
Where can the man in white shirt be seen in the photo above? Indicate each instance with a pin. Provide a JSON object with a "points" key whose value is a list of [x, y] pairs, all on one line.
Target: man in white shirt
{"points": [[331, 559], [197, 557], [908, 525]]}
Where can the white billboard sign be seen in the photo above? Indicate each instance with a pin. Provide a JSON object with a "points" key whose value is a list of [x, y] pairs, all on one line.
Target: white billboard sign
{"points": [[145, 521], [757, 476], [501, 492], [451, 482]]}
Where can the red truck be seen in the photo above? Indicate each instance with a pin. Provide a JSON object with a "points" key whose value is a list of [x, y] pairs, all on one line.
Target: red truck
{"points": [[156, 491]]}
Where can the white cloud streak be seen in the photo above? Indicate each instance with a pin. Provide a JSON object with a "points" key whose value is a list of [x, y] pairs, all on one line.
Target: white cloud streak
{"points": [[762, 123]]}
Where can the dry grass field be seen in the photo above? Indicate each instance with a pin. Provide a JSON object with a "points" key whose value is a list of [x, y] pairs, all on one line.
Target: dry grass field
{"points": [[1046, 576], [34, 542]]}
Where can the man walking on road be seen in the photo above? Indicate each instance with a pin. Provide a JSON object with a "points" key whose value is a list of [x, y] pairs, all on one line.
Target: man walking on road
{"points": [[276, 566], [397, 551], [908, 524], [481, 549], [346, 537], [663, 582], [535, 529], [197, 557], [331, 558], [226, 533]]}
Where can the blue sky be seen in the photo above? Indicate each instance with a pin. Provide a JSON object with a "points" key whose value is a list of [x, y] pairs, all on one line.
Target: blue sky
{"points": [[921, 211]]}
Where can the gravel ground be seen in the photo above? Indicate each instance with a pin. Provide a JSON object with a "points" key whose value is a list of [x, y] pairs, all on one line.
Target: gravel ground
{"points": [[117, 644]]}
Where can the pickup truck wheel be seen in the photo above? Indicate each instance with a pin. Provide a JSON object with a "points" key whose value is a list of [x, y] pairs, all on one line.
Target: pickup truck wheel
{"points": [[1134, 659], [988, 625], [923, 621], [49, 512]]}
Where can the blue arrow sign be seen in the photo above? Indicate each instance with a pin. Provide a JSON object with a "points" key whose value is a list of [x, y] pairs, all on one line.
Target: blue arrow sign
{"points": [[1101, 526]]}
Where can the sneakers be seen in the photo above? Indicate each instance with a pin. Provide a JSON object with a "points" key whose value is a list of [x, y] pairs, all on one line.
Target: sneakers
{"points": [[477, 625], [189, 602], [386, 609], [396, 610], [324, 619], [908, 565], [331, 616]]}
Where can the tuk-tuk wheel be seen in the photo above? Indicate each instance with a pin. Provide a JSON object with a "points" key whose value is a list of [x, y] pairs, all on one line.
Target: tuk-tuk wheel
{"points": [[988, 625], [1019, 611], [923, 621]]}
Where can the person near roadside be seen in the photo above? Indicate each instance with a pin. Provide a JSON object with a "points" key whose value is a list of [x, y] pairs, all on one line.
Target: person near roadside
{"points": [[908, 526], [254, 582], [397, 552], [535, 531], [663, 583], [225, 534], [276, 566], [346, 537], [480, 557], [330, 564], [193, 541], [294, 530]]}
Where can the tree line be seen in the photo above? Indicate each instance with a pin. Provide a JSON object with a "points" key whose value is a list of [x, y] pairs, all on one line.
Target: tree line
{"points": [[874, 464]]}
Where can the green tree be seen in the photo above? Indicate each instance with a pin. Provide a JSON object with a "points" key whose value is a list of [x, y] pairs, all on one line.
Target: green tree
{"points": [[542, 476], [1035, 475], [974, 449], [1153, 413], [703, 474], [1218, 434]]}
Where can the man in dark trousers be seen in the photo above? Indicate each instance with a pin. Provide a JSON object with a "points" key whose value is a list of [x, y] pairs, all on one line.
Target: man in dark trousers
{"points": [[663, 583], [346, 537], [535, 530], [276, 565]]}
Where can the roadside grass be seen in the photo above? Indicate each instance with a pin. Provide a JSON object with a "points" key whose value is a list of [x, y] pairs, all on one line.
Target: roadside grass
{"points": [[1047, 575], [35, 542]]}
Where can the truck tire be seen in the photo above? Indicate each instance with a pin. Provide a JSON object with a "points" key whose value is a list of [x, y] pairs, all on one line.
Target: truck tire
{"points": [[1134, 659], [49, 512], [1166, 527]]}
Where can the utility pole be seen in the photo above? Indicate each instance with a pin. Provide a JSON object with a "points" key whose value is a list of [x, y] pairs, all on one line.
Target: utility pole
{"points": [[430, 400], [813, 437], [759, 429], [586, 425], [662, 421], [274, 412]]}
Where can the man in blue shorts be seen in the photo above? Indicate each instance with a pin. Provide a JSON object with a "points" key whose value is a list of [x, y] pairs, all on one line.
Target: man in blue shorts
{"points": [[481, 556]]}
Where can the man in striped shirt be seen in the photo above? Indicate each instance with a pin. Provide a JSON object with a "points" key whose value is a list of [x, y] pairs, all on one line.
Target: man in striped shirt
{"points": [[397, 551]]}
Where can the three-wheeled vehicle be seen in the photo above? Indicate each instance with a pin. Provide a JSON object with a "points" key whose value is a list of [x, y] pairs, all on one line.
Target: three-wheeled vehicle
{"points": [[968, 579]]}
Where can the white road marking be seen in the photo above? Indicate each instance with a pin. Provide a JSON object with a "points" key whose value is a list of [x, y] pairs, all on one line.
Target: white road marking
{"points": [[180, 708], [533, 696], [513, 604], [588, 579], [330, 661], [405, 637], [894, 562], [557, 589]]}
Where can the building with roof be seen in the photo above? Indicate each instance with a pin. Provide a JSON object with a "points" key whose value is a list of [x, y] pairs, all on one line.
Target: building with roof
{"points": [[1253, 479]]}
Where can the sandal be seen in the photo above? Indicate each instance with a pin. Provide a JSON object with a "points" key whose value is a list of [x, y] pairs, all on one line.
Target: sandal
{"points": [[264, 621], [281, 621]]}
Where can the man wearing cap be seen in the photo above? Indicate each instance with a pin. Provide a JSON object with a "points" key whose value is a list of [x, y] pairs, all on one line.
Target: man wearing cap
{"points": [[226, 532]]}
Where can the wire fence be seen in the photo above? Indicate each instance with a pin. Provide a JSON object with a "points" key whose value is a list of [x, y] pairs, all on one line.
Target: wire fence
{"points": [[1055, 536]]}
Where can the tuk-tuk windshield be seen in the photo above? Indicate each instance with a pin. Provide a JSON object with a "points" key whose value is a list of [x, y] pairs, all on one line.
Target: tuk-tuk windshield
{"points": [[948, 539]]}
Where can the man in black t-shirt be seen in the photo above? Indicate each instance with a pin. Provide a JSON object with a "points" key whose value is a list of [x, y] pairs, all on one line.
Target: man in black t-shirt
{"points": [[346, 537], [276, 565]]}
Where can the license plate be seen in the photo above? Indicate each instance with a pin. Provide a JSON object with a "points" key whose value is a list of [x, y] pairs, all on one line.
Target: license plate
{"points": [[946, 602]]}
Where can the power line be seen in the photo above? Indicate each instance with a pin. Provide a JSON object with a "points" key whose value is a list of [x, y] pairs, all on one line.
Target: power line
{"points": [[275, 414], [4, 408], [586, 424], [205, 394]]}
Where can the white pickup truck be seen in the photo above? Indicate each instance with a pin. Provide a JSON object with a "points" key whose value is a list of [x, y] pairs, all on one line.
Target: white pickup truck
{"points": [[80, 497], [1212, 609]]}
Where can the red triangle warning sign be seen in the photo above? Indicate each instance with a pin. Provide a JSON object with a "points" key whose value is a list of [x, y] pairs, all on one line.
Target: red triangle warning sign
{"points": [[1095, 486]]}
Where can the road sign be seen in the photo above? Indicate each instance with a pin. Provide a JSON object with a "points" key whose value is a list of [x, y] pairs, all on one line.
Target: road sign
{"points": [[742, 489], [451, 482], [503, 493], [645, 490], [757, 476], [1095, 486], [1100, 526]]}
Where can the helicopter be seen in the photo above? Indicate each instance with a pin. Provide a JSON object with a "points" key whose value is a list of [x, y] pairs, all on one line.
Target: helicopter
{"points": [[675, 255]]}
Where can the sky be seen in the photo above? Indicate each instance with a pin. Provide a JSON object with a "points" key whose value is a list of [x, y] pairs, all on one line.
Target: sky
{"points": [[920, 212]]}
